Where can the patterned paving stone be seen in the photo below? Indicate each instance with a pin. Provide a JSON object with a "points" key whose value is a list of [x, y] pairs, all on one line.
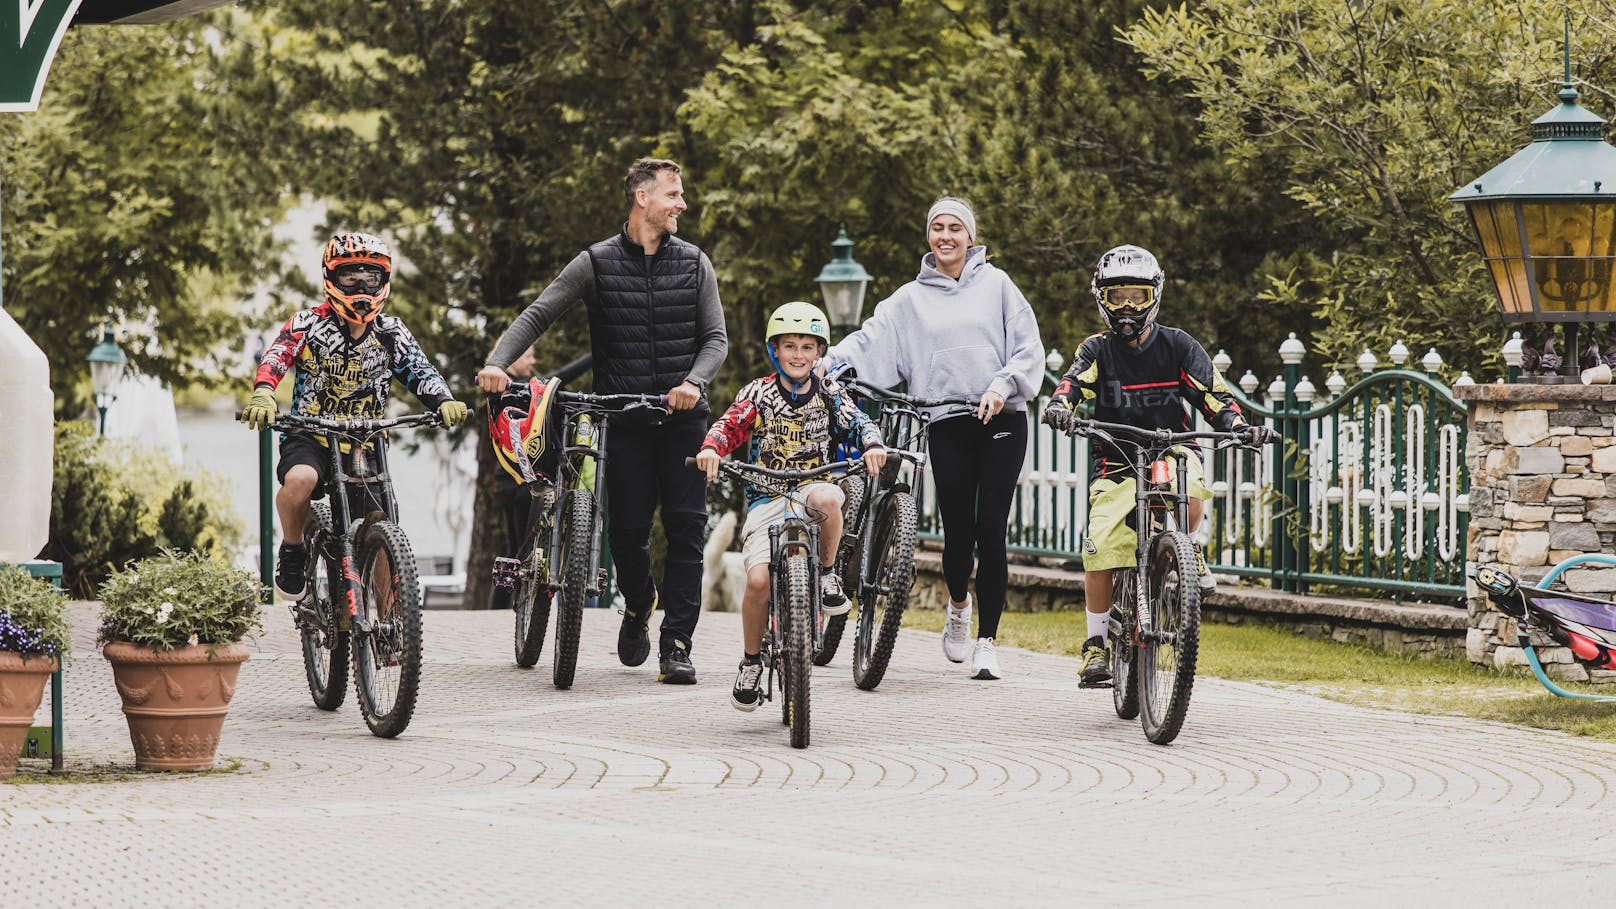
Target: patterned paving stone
{"points": [[933, 790]]}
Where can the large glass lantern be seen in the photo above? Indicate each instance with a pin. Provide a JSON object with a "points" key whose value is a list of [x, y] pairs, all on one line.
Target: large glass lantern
{"points": [[1546, 219], [842, 283]]}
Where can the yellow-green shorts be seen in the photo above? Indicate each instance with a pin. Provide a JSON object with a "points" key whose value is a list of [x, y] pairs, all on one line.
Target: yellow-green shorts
{"points": [[1110, 542]]}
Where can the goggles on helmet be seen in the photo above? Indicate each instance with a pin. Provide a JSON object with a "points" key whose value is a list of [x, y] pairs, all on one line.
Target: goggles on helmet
{"points": [[359, 278], [1128, 299]]}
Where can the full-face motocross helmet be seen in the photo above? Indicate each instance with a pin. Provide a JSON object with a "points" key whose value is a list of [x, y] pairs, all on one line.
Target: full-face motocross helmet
{"points": [[1138, 278], [358, 275]]}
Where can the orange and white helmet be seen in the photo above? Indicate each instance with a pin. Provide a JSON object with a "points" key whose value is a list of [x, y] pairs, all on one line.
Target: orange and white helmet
{"points": [[358, 275]]}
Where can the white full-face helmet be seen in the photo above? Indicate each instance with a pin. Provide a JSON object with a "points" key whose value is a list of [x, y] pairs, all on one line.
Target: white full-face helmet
{"points": [[1127, 289]]}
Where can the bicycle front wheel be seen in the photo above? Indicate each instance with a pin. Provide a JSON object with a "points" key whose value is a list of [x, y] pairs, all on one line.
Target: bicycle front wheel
{"points": [[325, 645], [1124, 648], [533, 589], [578, 533], [387, 658], [799, 645], [1168, 646], [894, 572]]}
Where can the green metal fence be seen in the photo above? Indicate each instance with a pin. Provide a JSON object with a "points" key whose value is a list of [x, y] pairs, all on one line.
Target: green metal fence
{"points": [[1367, 492]]}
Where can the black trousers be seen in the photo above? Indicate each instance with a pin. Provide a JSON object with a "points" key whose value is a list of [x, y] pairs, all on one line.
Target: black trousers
{"points": [[645, 467], [975, 467]]}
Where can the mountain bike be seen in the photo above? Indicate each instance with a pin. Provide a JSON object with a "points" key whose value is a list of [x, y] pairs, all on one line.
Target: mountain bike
{"points": [[1155, 625], [877, 552], [559, 558], [794, 632], [363, 598]]}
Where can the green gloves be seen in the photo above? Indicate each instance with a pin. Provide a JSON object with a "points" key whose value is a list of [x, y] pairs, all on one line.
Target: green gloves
{"points": [[452, 413], [260, 411]]}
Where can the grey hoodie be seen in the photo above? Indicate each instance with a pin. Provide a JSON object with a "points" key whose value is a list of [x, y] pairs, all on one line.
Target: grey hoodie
{"points": [[946, 337]]}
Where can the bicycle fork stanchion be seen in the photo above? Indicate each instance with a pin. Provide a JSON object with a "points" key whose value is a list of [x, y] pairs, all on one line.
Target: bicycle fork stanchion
{"points": [[266, 516]]}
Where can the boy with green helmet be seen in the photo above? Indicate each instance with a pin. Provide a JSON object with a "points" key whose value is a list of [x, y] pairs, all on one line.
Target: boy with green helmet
{"points": [[790, 421]]}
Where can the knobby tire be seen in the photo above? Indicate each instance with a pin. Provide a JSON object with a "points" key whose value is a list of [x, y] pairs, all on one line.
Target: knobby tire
{"points": [[894, 572], [799, 645], [1124, 654], [1167, 665], [325, 647], [387, 661], [578, 529], [533, 587]]}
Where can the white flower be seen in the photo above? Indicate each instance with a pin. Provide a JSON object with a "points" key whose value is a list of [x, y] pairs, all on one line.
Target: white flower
{"points": [[192, 640], [169, 591], [164, 611]]}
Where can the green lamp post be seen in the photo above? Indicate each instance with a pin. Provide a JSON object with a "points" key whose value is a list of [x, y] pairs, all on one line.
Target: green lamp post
{"points": [[842, 283], [1546, 219], [107, 362]]}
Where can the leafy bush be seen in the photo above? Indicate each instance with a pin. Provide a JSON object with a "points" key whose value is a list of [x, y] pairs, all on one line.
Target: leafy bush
{"points": [[33, 616], [113, 503], [177, 599]]}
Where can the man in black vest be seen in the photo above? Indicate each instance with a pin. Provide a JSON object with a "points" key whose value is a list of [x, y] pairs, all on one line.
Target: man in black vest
{"points": [[656, 326]]}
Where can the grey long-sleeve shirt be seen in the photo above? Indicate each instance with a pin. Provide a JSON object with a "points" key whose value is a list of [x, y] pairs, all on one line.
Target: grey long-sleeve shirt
{"points": [[577, 283]]}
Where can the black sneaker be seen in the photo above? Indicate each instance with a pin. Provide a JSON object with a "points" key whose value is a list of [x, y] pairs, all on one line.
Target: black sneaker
{"points": [[676, 667], [748, 691], [1096, 664], [289, 580], [633, 639]]}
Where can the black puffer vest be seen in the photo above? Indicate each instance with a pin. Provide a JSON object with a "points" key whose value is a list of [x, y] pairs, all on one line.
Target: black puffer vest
{"points": [[642, 324]]}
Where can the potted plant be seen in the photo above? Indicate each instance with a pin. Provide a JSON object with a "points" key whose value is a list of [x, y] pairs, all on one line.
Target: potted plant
{"points": [[172, 627], [34, 637]]}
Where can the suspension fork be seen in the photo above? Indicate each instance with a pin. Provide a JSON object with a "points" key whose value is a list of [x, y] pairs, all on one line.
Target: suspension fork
{"points": [[597, 577]]}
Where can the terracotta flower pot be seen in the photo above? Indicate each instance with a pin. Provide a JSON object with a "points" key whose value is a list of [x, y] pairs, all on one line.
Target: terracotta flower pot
{"points": [[175, 700], [21, 685]]}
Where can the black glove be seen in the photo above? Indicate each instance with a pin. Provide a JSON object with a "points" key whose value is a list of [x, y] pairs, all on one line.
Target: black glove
{"points": [[1059, 417], [1257, 436]]}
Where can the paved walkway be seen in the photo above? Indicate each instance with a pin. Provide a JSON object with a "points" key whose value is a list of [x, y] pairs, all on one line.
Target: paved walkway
{"points": [[933, 790]]}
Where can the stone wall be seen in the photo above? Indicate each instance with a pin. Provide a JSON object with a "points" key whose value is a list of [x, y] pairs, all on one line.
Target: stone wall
{"points": [[1542, 461]]}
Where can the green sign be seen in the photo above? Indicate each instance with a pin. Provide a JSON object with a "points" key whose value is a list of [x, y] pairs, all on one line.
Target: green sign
{"points": [[30, 30]]}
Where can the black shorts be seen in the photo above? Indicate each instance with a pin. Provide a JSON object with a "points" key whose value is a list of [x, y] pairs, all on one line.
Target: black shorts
{"points": [[297, 449]]}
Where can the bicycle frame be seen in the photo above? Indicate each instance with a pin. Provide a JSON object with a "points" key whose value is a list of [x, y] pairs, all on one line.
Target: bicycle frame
{"points": [[347, 484]]}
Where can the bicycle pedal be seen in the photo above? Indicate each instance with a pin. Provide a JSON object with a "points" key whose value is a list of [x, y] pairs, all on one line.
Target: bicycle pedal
{"points": [[600, 582], [505, 572]]}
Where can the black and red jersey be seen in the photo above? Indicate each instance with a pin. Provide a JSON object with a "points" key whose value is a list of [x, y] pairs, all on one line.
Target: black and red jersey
{"points": [[1152, 387]]}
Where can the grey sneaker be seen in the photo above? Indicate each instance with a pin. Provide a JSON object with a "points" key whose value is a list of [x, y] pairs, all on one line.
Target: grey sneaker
{"points": [[957, 633]]}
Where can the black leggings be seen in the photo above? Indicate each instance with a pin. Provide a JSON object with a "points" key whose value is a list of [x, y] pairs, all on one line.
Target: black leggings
{"points": [[975, 467]]}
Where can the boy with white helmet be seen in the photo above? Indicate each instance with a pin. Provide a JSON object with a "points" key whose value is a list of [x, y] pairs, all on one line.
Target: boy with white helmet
{"points": [[1147, 375], [791, 419]]}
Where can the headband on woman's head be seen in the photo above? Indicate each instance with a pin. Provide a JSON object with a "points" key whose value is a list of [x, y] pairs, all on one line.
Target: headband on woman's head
{"points": [[948, 205]]}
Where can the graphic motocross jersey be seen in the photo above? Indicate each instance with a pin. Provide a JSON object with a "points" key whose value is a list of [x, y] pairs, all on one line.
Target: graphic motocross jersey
{"points": [[787, 435], [1152, 387], [348, 378]]}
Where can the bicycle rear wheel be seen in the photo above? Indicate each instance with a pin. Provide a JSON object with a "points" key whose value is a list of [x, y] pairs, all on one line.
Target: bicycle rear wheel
{"points": [[533, 588], [1124, 650], [325, 645], [1167, 650], [894, 572], [578, 533], [847, 563], [387, 659]]}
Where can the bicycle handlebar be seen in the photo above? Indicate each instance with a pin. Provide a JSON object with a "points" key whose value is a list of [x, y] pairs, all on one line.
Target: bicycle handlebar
{"points": [[743, 470], [1142, 437], [291, 422], [888, 395], [623, 402]]}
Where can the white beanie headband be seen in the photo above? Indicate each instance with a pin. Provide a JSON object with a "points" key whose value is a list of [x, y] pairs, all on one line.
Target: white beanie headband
{"points": [[948, 205]]}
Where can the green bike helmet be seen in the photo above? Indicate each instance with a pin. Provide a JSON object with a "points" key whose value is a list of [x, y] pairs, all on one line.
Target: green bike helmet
{"points": [[798, 318]]}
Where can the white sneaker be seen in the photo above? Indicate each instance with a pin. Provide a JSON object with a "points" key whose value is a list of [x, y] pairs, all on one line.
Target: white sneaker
{"points": [[1204, 578], [985, 661], [957, 633]]}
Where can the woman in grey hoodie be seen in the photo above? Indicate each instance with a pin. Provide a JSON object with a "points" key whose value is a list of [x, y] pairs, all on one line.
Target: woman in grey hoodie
{"points": [[961, 327]]}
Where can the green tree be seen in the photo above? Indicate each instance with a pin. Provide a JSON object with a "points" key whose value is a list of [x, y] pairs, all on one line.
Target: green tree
{"points": [[137, 178], [1369, 114]]}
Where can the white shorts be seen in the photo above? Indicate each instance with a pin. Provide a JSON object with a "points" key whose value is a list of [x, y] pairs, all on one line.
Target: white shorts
{"points": [[755, 532]]}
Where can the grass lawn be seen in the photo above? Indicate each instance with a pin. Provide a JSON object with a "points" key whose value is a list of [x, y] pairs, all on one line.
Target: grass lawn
{"points": [[1342, 672]]}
